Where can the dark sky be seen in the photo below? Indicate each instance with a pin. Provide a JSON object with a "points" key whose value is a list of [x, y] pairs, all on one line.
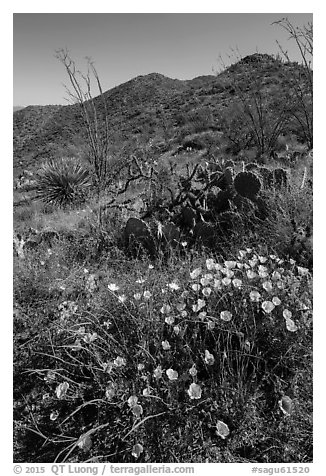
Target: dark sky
{"points": [[123, 46]]}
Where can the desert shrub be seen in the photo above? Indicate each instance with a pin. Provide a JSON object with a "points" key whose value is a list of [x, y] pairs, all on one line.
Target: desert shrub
{"points": [[194, 359], [289, 210], [200, 119], [62, 182]]}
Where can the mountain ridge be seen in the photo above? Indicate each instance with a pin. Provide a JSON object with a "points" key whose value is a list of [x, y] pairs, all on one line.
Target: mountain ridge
{"points": [[151, 106]]}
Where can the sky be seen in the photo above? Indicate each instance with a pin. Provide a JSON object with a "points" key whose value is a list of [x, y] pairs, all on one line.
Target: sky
{"points": [[126, 45]]}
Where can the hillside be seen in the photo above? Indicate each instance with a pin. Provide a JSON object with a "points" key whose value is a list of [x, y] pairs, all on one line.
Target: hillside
{"points": [[148, 107]]}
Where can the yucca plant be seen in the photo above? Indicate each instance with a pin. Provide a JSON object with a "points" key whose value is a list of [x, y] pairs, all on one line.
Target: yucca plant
{"points": [[62, 182]]}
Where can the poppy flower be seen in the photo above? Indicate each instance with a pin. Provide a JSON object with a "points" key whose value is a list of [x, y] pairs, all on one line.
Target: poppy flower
{"points": [[217, 284], [113, 287], [254, 296], [206, 292], [172, 374], [147, 295], [287, 314], [230, 264], [251, 274], [268, 306], [268, 286], [158, 372], [119, 362], [62, 389], [146, 392], [181, 306], [226, 316], [54, 415], [276, 276], [176, 330], [222, 429], [132, 400], [228, 273], [174, 286], [209, 358], [195, 273], [193, 371], [85, 442], [137, 410], [200, 304], [165, 309], [89, 338], [210, 264], [237, 283], [204, 281], [166, 345], [194, 391], [286, 405], [110, 390], [169, 320], [137, 449], [291, 325]]}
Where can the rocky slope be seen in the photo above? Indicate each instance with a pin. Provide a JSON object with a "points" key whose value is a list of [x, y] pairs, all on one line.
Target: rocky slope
{"points": [[147, 107]]}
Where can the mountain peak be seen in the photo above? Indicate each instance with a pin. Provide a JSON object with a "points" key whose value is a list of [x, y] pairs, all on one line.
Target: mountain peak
{"points": [[257, 58]]}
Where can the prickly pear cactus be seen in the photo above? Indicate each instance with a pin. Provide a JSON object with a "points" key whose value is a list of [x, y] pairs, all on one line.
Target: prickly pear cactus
{"points": [[251, 166], [266, 175], [247, 184], [222, 202], [229, 164], [280, 177], [225, 180], [228, 174]]}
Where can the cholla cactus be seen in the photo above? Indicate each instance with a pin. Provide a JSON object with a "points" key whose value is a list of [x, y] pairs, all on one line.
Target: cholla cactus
{"points": [[247, 184], [62, 182]]}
